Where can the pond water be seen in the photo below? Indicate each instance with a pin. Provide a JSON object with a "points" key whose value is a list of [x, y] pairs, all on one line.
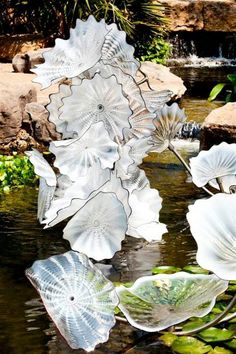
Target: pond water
{"points": [[24, 325]]}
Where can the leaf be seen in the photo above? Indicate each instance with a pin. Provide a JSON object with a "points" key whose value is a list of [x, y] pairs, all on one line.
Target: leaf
{"points": [[195, 269], [165, 270], [216, 335], [187, 345], [215, 91], [232, 78], [190, 325], [168, 339], [231, 344], [220, 350]]}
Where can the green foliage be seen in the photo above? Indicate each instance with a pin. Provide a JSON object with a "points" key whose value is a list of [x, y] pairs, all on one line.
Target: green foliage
{"points": [[140, 19], [156, 50], [15, 171], [229, 89]]}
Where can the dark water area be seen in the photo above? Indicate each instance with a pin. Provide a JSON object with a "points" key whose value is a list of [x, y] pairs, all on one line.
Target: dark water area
{"points": [[24, 324]]}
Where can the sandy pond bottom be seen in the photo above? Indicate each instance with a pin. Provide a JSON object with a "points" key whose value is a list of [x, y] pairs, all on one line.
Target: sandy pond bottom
{"points": [[24, 324]]}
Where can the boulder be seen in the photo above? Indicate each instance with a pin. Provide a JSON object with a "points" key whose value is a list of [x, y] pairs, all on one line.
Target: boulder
{"points": [[160, 78], [42, 130], [219, 125], [13, 99], [201, 15], [23, 63]]}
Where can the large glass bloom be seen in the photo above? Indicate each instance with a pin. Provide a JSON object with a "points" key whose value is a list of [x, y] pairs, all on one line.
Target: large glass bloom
{"points": [[212, 224], [98, 228], [77, 297], [167, 123], [73, 56], [47, 182], [157, 302], [74, 157], [218, 162], [97, 100]]}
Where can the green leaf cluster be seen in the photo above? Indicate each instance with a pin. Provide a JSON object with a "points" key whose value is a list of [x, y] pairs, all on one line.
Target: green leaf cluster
{"points": [[156, 50], [15, 171], [229, 89]]}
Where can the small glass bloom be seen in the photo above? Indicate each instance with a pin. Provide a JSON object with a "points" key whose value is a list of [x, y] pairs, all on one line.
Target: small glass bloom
{"points": [[157, 302], [212, 224], [47, 182], [77, 297], [167, 123], [74, 157], [144, 219], [218, 162], [96, 100], [98, 228]]}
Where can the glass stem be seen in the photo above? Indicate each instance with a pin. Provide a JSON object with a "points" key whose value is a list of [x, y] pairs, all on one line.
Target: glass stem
{"points": [[220, 184], [184, 163], [216, 320]]}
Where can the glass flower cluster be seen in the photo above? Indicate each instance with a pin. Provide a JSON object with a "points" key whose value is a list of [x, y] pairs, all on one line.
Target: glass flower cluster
{"points": [[108, 124]]}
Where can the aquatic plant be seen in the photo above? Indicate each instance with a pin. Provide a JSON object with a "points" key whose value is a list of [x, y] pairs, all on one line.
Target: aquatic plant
{"points": [[229, 89], [108, 125]]}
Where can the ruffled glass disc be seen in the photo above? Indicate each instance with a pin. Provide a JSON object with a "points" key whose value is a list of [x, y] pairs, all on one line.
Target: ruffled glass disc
{"points": [[77, 297], [75, 55], [97, 100], [98, 228], [213, 225], [219, 161], [157, 302]]}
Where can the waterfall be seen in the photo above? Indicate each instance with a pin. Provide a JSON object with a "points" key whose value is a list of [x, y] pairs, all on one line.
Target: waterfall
{"points": [[200, 48]]}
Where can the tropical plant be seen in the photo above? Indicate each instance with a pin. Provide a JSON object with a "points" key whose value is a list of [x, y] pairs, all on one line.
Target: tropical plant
{"points": [[228, 89]]}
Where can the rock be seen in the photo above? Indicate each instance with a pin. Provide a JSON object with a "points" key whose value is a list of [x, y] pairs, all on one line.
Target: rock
{"points": [[219, 125], [160, 78], [43, 130], [20, 44], [201, 15], [13, 99], [22, 63]]}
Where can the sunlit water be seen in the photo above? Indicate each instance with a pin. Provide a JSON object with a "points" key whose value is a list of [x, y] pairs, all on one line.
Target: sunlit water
{"points": [[24, 325]]}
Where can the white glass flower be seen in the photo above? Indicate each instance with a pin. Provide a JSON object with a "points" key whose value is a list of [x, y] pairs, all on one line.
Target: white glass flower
{"points": [[144, 219], [56, 102], [167, 123], [47, 182], [141, 123], [97, 100], [98, 228], [74, 157], [218, 162], [131, 155], [77, 297], [157, 302], [117, 52], [212, 224], [155, 100], [70, 199], [75, 55], [137, 180]]}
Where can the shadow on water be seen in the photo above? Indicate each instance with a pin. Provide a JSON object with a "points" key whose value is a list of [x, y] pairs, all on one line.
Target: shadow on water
{"points": [[24, 324]]}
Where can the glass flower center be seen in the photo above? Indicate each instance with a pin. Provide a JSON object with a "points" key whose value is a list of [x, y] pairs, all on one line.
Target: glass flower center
{"points": [[96, 223], [100, 107], [72, 298]]}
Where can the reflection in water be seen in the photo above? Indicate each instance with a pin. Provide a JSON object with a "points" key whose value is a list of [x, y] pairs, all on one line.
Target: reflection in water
{"points": [[24, 324]]}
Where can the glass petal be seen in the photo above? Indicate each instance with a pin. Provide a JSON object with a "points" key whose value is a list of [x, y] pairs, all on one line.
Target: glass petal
{"points": [[219, 161], [151, 232], [98, 228], [45, 196], [212, 224], [77, 297], [157, 302], [74, 157], [155, 100], [137, 180]]}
